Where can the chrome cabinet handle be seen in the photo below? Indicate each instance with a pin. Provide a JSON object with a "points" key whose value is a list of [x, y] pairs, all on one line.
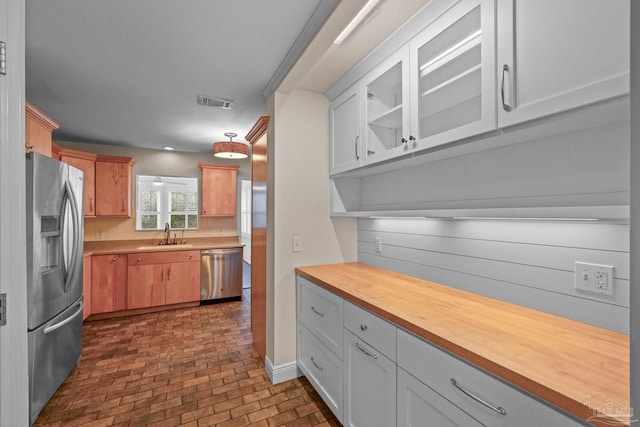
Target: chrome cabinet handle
{"points": [[320, 368], [499, 409], [371, 355], [505, 106], [317, 312], [356, 144]]}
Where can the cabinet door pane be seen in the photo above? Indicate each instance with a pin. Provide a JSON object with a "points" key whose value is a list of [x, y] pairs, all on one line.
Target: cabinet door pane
{"points": [[449, 69], [386, 108]]}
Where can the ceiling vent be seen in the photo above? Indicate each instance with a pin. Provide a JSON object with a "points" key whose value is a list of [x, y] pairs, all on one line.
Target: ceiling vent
{"points": [[210, 101]]}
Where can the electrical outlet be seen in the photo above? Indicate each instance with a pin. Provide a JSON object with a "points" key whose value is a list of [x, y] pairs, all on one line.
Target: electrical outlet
{"points": [[378, 245], [594, 278], [296, 244]]}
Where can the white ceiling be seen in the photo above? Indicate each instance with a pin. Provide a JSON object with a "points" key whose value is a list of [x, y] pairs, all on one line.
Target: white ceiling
{"points": [[126, 72]]}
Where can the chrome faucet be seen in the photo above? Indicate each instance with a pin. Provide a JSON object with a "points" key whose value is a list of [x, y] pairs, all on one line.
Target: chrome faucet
{"points": [[167, 231]]}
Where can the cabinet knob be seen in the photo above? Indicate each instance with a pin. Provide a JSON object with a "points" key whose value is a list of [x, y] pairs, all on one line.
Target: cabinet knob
{"points": [[139, 258], [115, 258], [363, 327], [403, 140]]}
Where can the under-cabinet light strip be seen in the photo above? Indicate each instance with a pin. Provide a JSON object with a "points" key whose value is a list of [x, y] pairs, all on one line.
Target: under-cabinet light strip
{"points": [[494, 218], [451, 49], [355, 21]]}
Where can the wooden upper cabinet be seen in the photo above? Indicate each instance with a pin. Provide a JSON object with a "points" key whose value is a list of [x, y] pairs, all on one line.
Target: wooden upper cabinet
{"points": [[218, 189], [113, 185], [86, 162], [38, 129]]}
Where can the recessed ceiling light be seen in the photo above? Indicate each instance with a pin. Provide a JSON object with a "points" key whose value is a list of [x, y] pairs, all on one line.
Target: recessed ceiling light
{"points": [[168, 148]]}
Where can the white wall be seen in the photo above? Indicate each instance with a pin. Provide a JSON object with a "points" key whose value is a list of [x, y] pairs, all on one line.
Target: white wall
{"points": [[299, 194]]}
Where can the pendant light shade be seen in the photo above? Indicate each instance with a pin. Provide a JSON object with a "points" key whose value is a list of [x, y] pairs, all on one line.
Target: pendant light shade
{"points": [[230, 149]]}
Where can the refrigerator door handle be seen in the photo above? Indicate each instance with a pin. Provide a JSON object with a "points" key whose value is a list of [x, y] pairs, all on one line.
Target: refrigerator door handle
{"points": [[59, 325], [70, 198]]}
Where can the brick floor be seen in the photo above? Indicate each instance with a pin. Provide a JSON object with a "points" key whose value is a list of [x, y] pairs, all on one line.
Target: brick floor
{"points": [[190, 367]]}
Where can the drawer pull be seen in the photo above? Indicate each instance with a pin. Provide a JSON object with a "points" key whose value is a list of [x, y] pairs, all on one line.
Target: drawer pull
{"points": [[373, 356], [320, 368], [498, 409], [363, 327], [319, 313]]}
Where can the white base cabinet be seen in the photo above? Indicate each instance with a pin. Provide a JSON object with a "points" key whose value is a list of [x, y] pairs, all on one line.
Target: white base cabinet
{"points": [[382, 375]]}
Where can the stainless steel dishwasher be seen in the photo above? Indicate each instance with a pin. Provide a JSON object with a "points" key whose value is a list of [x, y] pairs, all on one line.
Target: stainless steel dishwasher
{"points": [[220, 274]]}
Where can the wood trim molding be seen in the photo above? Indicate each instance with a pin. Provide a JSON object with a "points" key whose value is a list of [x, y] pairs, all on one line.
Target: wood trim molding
{"points": [[257, 130], [73, 153], [115, 159], [203, 165], [32, 112]]}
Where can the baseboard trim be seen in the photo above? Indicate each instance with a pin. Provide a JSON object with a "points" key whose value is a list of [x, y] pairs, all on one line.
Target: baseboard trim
{"points": [[281, 373]]}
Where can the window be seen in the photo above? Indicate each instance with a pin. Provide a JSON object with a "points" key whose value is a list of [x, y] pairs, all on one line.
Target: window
{"points": [[164, 199]]}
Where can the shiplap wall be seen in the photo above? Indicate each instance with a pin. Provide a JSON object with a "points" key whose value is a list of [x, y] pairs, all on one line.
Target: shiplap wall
{"points": [[523, 262]]}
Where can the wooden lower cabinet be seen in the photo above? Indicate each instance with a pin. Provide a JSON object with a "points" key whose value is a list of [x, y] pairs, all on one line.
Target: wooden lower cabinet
{"points": [[86, 286], [162, 278], [108, 283]]}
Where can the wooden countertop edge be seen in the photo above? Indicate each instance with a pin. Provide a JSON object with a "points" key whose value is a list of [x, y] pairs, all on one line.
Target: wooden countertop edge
{"points": [[132, 249], [567, 403]]}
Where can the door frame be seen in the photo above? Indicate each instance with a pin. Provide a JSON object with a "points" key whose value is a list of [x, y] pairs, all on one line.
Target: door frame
{"points": [[14, 376]]}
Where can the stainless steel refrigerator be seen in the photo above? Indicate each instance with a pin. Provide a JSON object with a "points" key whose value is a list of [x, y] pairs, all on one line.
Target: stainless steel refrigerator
{"points": [[55, 231]]}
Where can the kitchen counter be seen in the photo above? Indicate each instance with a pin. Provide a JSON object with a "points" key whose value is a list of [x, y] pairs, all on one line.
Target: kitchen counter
{"points": [[562, 361], [104, 247]]}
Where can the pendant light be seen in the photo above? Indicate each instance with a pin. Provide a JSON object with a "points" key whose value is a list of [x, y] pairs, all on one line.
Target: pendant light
{"points": [[230, 149]]}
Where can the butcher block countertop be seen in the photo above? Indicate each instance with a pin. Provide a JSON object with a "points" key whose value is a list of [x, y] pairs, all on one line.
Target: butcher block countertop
{"points": [[108, 247], [562, 361]]}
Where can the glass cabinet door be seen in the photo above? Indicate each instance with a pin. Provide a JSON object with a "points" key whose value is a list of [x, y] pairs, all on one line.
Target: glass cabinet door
{"points": [[452, 74], [386, 111]]}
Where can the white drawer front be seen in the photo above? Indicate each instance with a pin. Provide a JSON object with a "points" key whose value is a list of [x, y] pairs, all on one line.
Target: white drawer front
{"points": [[436, 368], [370, 328], [417, 403], [321, 312], [322, 368]]}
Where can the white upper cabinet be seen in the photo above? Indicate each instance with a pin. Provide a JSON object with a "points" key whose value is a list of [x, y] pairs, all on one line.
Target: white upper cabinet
{"points": [[438, 88], [453, 76], [385, 99], [557, 55], [346, 131]]}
